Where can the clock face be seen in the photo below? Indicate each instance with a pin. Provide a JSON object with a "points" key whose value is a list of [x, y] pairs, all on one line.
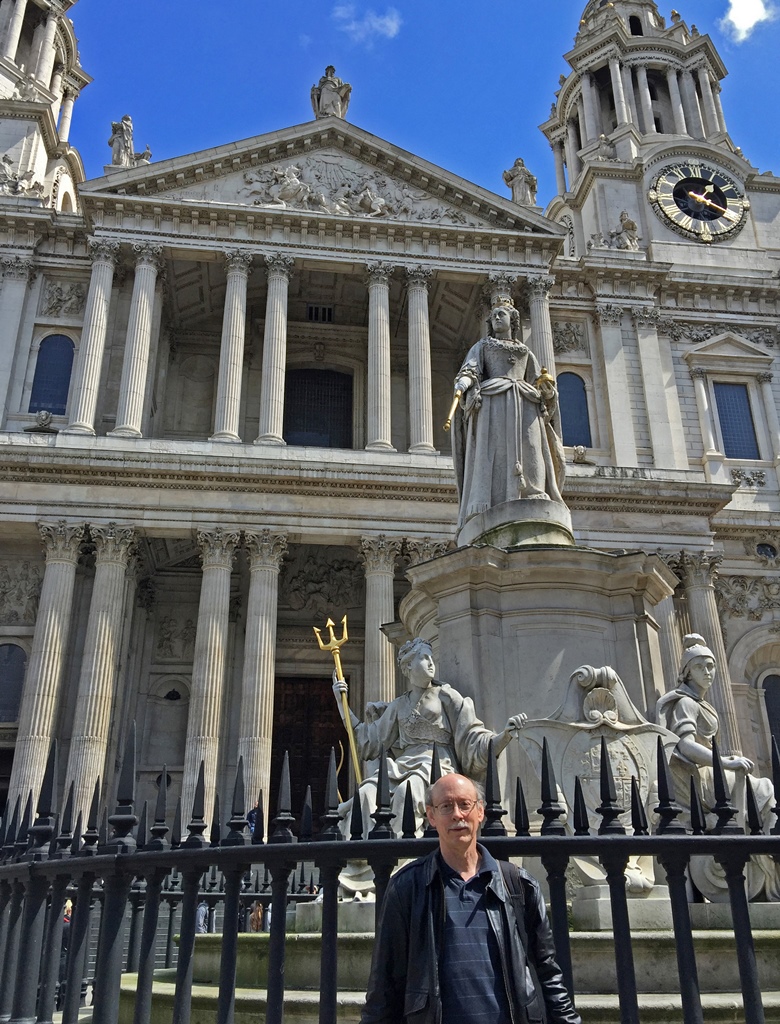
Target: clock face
{"points": [[699, 201]]}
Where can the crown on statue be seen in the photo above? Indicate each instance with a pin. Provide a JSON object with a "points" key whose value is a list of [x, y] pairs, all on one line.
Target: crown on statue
{"points": [[504, 300]]}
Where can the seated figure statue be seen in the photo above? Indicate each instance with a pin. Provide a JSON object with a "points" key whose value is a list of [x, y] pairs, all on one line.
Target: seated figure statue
{"points": [[428, 712], [685, 711]]}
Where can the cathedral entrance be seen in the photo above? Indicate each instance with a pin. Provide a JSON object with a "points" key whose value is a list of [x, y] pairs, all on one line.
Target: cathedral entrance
{"points": [[307, 724]]}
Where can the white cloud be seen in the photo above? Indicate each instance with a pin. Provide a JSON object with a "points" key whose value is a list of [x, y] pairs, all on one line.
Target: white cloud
{"points": [[304, 41], [368, 26], [743, 16]]}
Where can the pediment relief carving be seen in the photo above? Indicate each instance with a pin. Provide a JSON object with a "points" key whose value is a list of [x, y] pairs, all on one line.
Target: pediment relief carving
{"points": [[327, 182]]}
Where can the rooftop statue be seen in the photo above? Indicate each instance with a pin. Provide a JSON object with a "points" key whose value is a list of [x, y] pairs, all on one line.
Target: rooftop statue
{"points": [[330, 96], [506, 438], [685, 711], [522, 183], [121, 142]]}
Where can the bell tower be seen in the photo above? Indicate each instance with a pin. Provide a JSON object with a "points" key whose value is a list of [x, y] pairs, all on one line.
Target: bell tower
{"points": [[40, 80], [641, 88]]}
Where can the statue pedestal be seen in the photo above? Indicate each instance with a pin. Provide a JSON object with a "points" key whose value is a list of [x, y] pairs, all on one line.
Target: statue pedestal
{"points": [[517, 523], [650, 911], [509, 628]]}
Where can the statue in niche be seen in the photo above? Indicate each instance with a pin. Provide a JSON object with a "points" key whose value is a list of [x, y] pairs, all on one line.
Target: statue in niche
{"points": [[330, 96], [626, 236], [428, 712], [121, 142], [522, 183], [687, 713], [506, 436], [597, 705]]}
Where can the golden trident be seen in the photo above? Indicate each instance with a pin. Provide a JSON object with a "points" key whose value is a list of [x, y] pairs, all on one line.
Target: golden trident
{"points": [[334, 646]]}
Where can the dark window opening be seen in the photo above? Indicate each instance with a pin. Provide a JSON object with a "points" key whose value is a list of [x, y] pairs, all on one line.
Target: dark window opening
{"points": [[635, 25], [320, 314], [736, 421], [771, 686], [52, 375], [318, 408], [13, 661], [659, 127], [652, 90], [766, 550], [573, 403]]}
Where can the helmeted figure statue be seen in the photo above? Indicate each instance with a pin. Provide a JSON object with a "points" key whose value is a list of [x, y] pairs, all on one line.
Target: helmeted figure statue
{"points": [[330, 96], [121, 142], [685, 711], [506, 439]]}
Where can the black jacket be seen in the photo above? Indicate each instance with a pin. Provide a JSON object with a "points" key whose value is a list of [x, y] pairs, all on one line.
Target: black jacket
{"points": [[404, 982]]}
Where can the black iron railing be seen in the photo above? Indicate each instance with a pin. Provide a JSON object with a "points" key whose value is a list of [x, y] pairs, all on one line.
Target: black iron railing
{"points": [[126, 870]]}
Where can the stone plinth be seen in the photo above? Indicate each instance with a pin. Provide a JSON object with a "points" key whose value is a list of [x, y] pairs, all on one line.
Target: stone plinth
{"points": [[510, 627], [651, 911], [516, 523]]}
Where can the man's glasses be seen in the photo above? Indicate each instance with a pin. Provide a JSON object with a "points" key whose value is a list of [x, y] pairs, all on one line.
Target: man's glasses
{"points": [[464, 806]]}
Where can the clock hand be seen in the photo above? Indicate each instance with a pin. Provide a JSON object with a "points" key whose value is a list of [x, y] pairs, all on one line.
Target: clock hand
{"points": [[707, 202]]}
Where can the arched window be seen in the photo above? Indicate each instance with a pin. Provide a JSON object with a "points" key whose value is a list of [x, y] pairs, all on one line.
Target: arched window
{"points": [[573, 404], [52, 375], [318, 408], [635, 25], [771, 685], [13, 661]]}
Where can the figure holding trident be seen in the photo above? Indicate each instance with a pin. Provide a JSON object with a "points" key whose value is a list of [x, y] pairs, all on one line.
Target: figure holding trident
{"points": [[429, 712], [334, 646]]}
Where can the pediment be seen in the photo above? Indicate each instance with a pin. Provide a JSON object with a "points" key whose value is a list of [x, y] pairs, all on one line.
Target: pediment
{"points": [[324, 168], [727, 346]]}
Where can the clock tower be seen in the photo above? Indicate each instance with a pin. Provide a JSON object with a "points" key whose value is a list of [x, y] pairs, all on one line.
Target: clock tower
{"points": [[644, 162]]}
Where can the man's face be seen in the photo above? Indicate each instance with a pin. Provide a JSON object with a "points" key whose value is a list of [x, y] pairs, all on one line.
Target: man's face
{"points": [[456, 825]]}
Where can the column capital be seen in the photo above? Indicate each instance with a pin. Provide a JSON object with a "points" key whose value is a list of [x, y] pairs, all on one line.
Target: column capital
{"points": [[539, 285], [148, 255], [113, 543], [419, 276], [646, 316], [379, 272], [379, 553], [218, 547], [699, 569], [18, 268], [103, 250], [238, 261], [608, 313], [422, 549], [266, 549], [279, 264], [61, 540], [765, 378], [500, 285]]}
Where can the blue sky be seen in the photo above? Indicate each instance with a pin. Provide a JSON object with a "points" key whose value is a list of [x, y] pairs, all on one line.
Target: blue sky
{"points": [[462, 83]]}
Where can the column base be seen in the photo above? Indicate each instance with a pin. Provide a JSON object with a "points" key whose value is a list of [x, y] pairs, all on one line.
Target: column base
{"points": [[226, 436], [380, 446], [273, 439], [124, 432], [423, 449], [79, 428]]}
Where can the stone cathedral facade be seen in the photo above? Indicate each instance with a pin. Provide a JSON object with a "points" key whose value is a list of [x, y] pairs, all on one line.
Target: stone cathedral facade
{"points": [[224, 379]]}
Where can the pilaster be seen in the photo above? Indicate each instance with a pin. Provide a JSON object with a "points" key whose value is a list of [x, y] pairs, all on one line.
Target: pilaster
{"points": [[662, 400], [621, 420], [17, 272]]}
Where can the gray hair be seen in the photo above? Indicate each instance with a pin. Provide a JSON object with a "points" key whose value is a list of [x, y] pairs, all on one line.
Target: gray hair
{"points": [[479, 788]]}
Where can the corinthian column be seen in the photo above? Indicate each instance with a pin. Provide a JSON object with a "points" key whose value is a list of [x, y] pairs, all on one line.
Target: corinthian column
{"points": [[678, 113], [541, 326], [621, 107], [698, 573], [217, 551], [93, 338], [379, 555], [14, 29], [44, 672], [621, 420], [420, 397], [379, 356], [47, 52], [132, 387], [231, 352], [274, 351], [266, 551], [645, 100], [16, 278], [88, 745]]}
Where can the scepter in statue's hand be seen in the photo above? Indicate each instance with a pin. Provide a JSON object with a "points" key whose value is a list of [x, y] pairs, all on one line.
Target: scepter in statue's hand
{"points": [[339, 684]]}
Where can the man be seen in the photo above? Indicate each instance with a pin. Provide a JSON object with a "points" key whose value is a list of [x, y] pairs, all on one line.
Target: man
{"points": [[448, 947]]}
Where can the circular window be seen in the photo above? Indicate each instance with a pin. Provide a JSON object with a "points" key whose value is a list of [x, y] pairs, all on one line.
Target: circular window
{"points": [[766, 550]]}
